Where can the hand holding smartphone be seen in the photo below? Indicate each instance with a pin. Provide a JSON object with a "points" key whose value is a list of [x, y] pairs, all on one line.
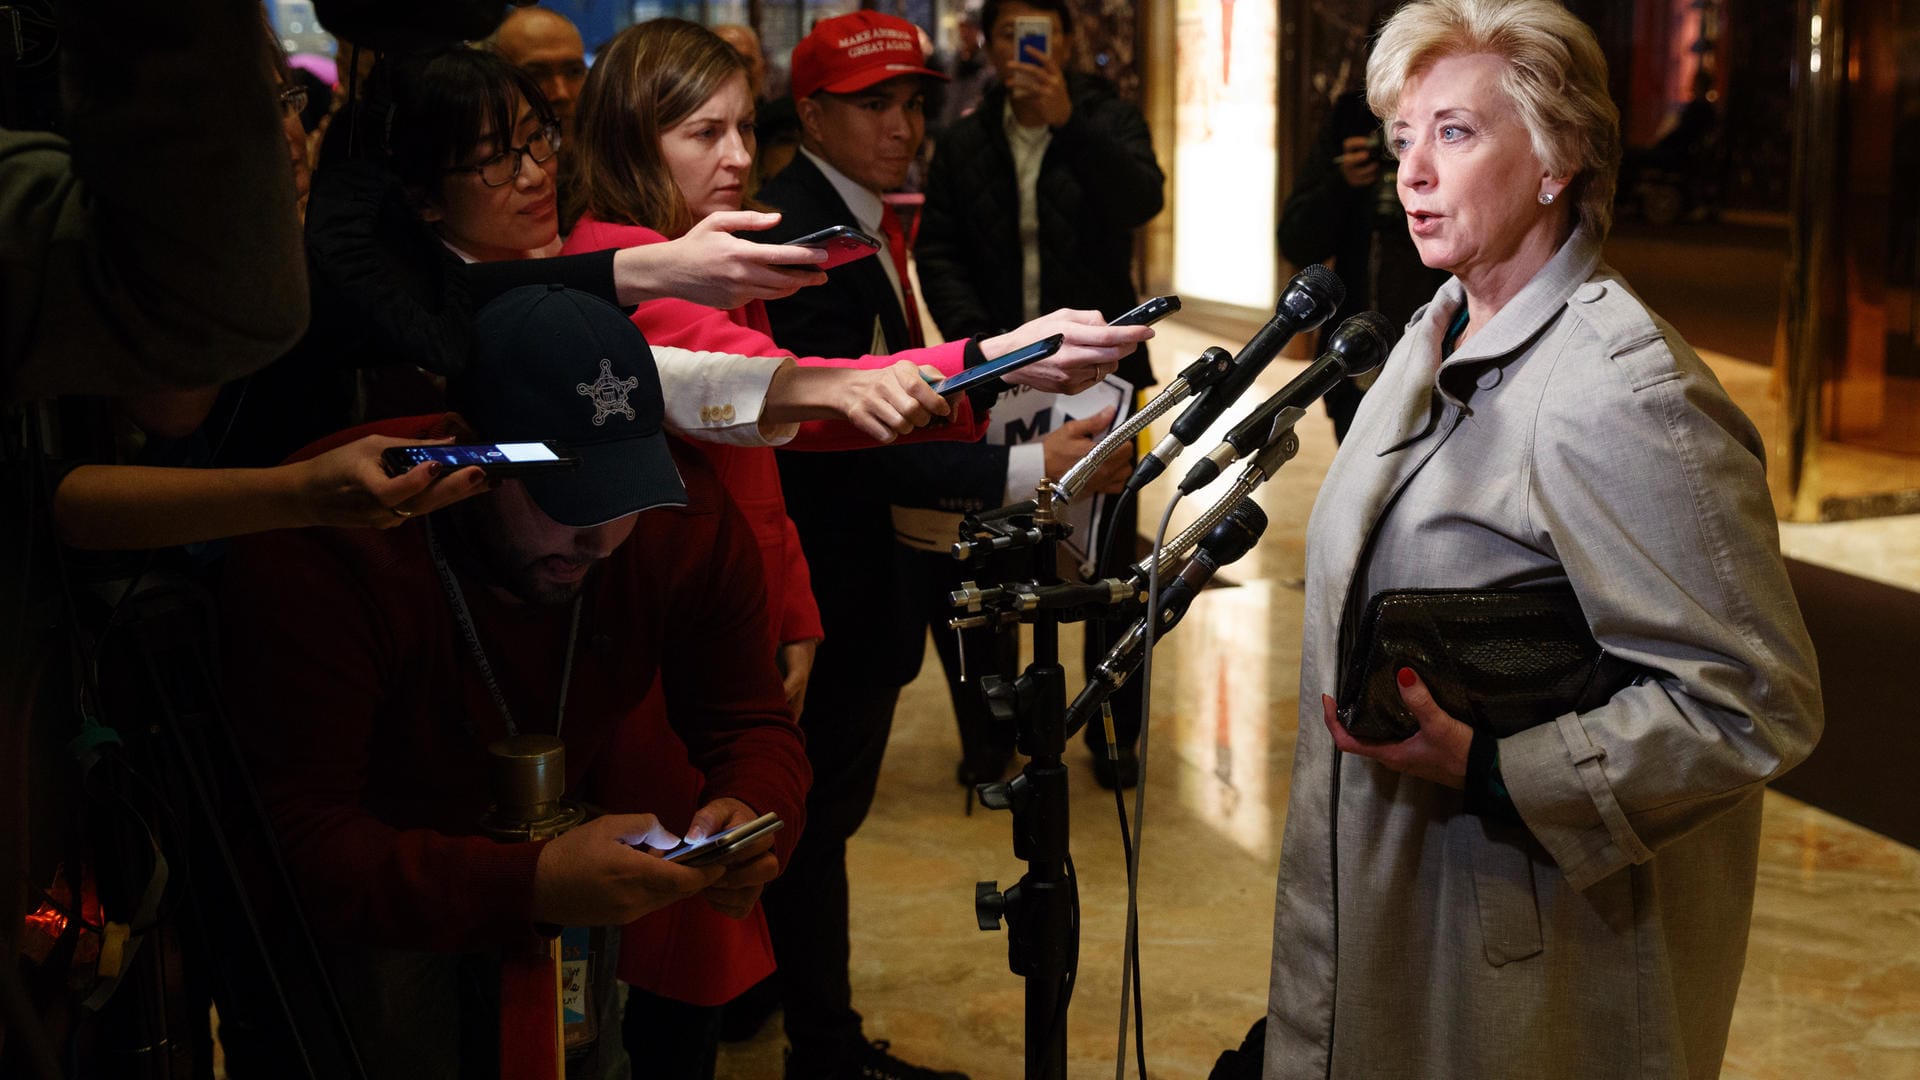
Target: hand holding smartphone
{"points": [[723, 845], [1033, 38], [1149, 313]]}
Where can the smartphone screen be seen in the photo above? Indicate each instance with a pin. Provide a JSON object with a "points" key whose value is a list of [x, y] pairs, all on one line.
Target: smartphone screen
{"points": [[720, 845], [496, 458], [999, 366], [1031, 35]]}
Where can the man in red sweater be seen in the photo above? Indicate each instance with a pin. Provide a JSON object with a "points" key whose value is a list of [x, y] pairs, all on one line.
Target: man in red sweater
{"points": [[368, 670]]}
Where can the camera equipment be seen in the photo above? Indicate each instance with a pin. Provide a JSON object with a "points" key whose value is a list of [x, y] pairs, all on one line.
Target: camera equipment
{"points": [[1386, 186], [529, 778]]}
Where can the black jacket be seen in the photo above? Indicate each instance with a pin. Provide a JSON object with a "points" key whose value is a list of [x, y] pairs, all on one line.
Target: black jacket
{"points": [[870, 604], [1098, 182]]}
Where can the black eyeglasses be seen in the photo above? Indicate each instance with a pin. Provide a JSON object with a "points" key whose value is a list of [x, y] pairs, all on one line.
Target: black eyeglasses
{"points": [[500, 169]]}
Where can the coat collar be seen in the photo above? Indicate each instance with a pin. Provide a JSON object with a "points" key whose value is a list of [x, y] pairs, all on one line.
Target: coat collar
{"points": [[1533, 307], [1436, 385]]}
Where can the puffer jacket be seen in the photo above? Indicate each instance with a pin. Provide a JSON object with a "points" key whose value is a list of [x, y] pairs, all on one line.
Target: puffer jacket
{"points": [[1098, 182]]}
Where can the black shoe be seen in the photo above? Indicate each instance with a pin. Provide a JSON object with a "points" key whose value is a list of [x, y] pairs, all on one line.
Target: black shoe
{"points": [[871, 1061], [1123, 773]]}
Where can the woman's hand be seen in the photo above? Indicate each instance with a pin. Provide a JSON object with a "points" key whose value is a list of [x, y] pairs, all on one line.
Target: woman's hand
{"points": [[882, 402], [710, 266], [796, 666], [1092, 351], [748, 870], [1437, 752], [347, 486]]}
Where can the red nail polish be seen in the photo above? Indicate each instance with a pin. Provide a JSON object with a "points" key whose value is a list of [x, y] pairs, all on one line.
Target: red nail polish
{"points": [[434, 468], [1406, 677]]}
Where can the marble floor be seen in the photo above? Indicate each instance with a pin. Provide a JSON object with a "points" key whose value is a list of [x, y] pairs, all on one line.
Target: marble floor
{"points": [[1832, 987]]}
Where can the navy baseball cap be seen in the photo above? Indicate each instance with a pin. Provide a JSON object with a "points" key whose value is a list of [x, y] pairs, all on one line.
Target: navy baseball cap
{"points": [[552, 363]]}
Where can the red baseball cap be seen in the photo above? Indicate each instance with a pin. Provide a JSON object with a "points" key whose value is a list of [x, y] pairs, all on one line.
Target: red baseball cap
{"points": [[854, 51]]}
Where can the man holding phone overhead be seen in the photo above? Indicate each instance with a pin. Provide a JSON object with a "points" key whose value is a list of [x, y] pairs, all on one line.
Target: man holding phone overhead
{"points": [[368, 671], [1032, 202]]}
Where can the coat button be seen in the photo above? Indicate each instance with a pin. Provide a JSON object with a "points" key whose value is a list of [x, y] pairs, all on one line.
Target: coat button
{"points": [[1488, 379], [1590, 292]]}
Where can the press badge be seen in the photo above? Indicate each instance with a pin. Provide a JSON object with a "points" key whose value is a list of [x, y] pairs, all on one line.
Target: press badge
{"points": [[576, 986]]}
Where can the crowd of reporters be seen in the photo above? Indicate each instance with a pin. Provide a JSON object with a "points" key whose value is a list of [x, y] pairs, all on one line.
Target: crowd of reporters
{"points": [[223, 307]]}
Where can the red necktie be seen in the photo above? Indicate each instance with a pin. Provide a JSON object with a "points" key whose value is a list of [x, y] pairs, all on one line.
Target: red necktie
{"points": [[897, 247]]}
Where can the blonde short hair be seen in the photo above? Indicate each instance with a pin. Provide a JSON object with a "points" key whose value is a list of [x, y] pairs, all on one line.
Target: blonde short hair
{"points": [[1556, 78]]}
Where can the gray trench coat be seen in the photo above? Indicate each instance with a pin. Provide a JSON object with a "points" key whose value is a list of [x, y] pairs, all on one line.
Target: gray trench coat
{"points": [[1575, 438]]}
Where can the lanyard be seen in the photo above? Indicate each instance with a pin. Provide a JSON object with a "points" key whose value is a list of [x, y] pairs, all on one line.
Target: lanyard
{"points": [[457, 600]]}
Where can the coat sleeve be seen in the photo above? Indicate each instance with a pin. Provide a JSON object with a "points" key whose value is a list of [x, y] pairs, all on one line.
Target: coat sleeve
{"points": [[681, 324], [160, 248], [1320, 204], [1648, 485], [946, 282], [1107, 145], [958, 477]]}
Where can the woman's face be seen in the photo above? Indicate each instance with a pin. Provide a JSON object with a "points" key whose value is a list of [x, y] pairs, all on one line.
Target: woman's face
{"points": [[1469, 180], [710, 150], [505, 222]]}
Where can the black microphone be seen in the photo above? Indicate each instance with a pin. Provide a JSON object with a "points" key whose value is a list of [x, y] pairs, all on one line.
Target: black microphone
{"points": [[1310, 298], [1357, 347], [1228, 541]]}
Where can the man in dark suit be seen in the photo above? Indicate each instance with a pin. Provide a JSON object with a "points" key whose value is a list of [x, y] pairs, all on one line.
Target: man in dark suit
{"points": [[862, 117], [1032, 203]]}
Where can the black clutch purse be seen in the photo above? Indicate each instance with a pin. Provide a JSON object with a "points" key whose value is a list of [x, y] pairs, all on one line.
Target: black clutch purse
{"points": [[1499, 660]]}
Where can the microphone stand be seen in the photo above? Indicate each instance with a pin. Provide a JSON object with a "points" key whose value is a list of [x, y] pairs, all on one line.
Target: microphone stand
{"points": [[1258, 470], [1042, 911]]}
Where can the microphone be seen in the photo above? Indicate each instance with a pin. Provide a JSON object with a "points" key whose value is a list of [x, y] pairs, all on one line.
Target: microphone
{"points": [[1312, 296], [1232, 538], [1357, 347]]}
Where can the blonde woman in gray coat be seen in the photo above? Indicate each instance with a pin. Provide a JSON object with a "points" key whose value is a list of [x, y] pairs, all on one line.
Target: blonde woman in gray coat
{"points": [[1572, 900]]}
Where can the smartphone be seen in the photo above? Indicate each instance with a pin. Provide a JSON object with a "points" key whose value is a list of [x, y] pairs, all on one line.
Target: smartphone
{"points": [[498, 459], [1150, 312], [842, 243], [1032, 37], [719, 846], [999, 366]]}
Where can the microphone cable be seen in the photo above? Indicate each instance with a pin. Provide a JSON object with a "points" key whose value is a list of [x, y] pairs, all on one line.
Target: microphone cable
{"points": [[1130, 953]]}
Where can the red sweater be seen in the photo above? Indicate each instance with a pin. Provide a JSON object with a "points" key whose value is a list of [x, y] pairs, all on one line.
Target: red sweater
{"points": [[352, 690]]}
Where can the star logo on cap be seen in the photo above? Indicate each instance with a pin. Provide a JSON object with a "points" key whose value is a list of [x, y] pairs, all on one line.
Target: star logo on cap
{"points": [[608, 394]]}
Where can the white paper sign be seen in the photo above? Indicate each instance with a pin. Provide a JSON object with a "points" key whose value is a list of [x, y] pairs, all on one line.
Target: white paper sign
{"points": [[1024, 415]]}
